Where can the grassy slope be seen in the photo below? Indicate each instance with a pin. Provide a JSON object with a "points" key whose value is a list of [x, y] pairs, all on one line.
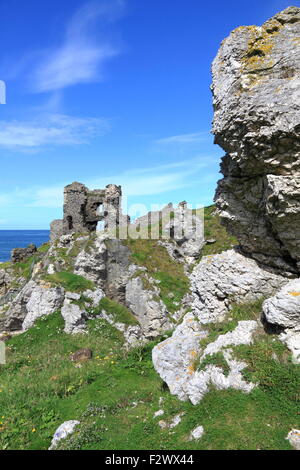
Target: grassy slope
{"points": [[116, 393], [41, 388]]}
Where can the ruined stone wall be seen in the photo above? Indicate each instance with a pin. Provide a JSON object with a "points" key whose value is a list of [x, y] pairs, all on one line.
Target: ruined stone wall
{"points": [[83, 209], [256, 89]]}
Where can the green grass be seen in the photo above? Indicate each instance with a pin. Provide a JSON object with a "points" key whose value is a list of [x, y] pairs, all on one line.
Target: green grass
{"points": [[25, 269], [169, 284], [214, 230], [44, 248], [69, 281], [115, 395], [118, 311], [216, 359]]}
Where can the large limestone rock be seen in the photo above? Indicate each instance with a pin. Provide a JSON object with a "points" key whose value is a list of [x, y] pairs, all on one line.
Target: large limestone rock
{"points": [[217, 282], [42, 301], [92, 264], [226, 278], [256, 88], [17, 311], [174, 359], [147, 308], [284, 308], [74, 315]]}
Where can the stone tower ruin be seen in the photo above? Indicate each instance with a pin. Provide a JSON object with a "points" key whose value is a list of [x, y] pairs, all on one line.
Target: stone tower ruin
{"points": [[83, 209]]}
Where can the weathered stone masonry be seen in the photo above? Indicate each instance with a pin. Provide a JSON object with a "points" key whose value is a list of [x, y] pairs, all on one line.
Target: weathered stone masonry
{"points": [[83, 209]]}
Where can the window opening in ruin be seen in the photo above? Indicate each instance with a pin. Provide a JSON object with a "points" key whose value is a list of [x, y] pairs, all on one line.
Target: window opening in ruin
{"points": [[70, 222]]}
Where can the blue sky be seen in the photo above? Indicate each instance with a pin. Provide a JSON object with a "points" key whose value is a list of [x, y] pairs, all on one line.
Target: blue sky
{"points": [[110, 91]]}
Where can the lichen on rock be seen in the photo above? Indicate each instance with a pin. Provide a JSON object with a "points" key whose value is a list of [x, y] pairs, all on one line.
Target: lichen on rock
{"points": [[256, 89]]}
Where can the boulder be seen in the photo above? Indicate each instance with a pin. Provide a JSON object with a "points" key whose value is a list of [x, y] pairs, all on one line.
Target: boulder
{"points": [[82, 355], [75, 317], [284, 307], [226, 278], [42, 301], [62, 432], [294, 438], [197, 433], [256, 89], [175, 358]]}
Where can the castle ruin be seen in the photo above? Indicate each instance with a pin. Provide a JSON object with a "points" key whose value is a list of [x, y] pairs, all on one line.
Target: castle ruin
{"points": [[83, 209]]}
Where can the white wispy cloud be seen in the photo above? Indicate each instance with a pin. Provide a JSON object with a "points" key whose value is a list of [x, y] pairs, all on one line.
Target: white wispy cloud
{"points": [[50, 130], [137, 182], [82, 54], [184, 138]]}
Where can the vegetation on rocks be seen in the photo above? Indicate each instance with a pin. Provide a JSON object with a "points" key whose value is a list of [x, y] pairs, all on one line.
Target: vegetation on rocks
{"points": [[214, 230], [116, 393], [161, 267], [118, 311], [69, 281]]}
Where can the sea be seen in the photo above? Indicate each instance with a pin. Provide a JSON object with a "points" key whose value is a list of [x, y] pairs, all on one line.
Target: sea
{"points": [[10, 239]]}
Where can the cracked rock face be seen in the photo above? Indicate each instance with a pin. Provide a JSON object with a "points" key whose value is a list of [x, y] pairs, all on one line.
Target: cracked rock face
{"points": [[174, 360], [284, 308], [146, 306], [92, 266], [43, 301], [256, 89], [219, 280]]}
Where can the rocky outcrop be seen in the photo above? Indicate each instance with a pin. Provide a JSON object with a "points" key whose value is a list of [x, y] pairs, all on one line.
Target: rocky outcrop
{"points": [[175, 358], [5, 280], [76, 309], [147, 308], [19, 255], [186, 231], [42, 301], [119, 269], [63, 431], [17, 311], [226, 278], [107, 264], [284, 308], [92, 264], [256, 90]]}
